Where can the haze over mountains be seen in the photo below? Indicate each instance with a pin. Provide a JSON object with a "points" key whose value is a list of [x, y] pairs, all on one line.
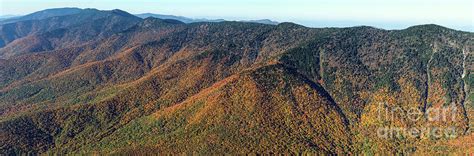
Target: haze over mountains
{"points": [[316, 23], [190, 20], [66, 11], [92, 81]]}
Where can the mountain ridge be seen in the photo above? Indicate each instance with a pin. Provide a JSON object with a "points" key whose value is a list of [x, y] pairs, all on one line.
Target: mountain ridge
{"points": [[123, 72], [191, 20], [214, 93], [180, 18]]}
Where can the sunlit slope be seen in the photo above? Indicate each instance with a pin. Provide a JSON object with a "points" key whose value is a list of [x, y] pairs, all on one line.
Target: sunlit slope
{"points": [[271, 109]]}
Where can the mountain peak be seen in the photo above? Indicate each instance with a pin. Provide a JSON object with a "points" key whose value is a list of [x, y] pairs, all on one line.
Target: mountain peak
{"points": [[286, 25], [99, 81], [60, 9], [121, 13], [43, 14], [427, 26]]}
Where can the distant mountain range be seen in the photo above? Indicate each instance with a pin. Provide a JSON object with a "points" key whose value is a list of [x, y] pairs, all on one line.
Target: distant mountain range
{"points": [[190, 20], [88, 81], [3, 17], [43, 14], [67, 11], [179, 18]]}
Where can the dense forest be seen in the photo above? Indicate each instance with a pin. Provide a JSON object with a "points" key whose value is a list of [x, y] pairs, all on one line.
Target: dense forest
{"points": [[88, 81]]}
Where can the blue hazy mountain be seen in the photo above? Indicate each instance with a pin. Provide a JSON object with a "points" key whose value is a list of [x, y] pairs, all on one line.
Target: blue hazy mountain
{"points": [[193, 20], [43, 14], [3, 17]]}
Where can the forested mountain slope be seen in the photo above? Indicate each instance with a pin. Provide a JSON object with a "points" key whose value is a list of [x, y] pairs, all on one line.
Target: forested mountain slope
{"points": [[108, 81]]}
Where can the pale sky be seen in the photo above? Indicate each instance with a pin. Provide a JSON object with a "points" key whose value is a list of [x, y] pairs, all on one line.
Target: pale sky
{"points": [[388, 14]]}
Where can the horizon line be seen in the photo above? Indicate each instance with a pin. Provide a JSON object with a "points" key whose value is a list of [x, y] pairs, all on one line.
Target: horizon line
{"points": [[323, 23]]}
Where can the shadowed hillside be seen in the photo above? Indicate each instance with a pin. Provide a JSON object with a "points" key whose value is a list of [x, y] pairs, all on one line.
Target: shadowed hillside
{"points": [[67, 30], [107, 81]]}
